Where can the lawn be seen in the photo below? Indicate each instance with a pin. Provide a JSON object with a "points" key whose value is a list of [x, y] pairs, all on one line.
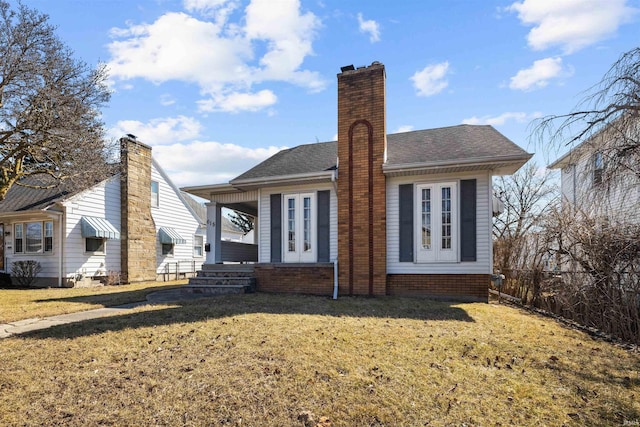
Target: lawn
{"points": [[19, 304], [282, 360]]}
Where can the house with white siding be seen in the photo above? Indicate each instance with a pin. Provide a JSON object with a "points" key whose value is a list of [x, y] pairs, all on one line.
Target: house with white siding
{"points": [[134, 226], [371, 213], [590, 186]]}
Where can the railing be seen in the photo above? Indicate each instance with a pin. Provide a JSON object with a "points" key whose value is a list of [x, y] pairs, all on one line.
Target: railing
{"points": [[238, 252], [176, 270]]}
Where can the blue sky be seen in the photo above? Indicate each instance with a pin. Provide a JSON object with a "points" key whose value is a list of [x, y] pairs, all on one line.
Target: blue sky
{"points": [[216, 86]]}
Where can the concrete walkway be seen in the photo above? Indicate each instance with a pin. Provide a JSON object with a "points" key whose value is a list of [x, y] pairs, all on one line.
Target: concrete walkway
{"points": [[22, 326]]}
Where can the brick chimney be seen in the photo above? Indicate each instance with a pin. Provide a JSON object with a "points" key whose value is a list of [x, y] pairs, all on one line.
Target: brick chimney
{"points": [[362, 144], [138, 231]]}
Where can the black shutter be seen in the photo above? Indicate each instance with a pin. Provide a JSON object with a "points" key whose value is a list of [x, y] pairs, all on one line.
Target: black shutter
{"points": [[276, 228], [323, 225], [468, 220], [406, 222]]}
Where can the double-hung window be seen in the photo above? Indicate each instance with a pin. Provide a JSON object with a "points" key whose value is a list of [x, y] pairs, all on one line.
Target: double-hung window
{"points": [[299, 227], [437, 222], [598, 168], [155, 194], [198, 245], [33, 237]]}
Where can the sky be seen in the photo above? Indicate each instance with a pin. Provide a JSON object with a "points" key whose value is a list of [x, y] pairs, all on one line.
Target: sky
{"points": [[216, 86]]}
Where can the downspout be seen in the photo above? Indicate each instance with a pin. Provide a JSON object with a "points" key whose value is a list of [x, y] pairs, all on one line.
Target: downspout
{"points": [[334, 175]]}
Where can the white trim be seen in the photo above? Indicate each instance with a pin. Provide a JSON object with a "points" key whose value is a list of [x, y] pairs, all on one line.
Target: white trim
{"points": [[299, 254], [436, 253]]}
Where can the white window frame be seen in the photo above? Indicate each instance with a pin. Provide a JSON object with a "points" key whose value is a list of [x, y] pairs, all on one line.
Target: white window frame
{"points": [[169, 254], [155, 196], [598, 168], [22, 235], [98, 252], [436, 252], [198, 242], [297, 252]]}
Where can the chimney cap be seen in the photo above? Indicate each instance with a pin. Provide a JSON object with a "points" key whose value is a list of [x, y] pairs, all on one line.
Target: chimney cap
{"points": [[132, 136], [347, 68]]}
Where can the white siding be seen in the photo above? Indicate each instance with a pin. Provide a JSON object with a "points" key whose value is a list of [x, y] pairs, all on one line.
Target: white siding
{"points": [[617, 198], [48, 261], [102, 201], [172, 212], [483, 263], [264, 217]]}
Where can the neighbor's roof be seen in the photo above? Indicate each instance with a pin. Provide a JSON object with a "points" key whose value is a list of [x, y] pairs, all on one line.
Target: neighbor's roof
{"points": [[441, 146], [21, 199]]}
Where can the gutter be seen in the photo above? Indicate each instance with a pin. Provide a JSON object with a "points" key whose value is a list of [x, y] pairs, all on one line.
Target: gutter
{"points": [[283, 179], [478, 161]]}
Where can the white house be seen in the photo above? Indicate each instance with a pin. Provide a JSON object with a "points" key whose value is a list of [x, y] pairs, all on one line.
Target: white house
{"points": [[88, 234], [371, 213]]}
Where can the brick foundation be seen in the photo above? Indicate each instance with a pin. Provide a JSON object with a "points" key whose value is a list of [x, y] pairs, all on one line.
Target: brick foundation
{"points": [[313, 279], [463, 287]]}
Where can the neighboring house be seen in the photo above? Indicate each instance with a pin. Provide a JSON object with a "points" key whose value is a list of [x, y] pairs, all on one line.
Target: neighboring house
{"points": [[134, 226], [401, 214], [588, 183]]}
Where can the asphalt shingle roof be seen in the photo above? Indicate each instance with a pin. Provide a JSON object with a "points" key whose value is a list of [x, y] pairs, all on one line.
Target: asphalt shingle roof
{"points": [[447, 144], [20, 198]]}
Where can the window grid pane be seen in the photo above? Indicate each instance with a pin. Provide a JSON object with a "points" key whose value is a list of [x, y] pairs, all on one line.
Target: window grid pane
{"points": [[307, 223], [426, 218], [18, 238], [291, 225], [446, 217], [48, 236]]}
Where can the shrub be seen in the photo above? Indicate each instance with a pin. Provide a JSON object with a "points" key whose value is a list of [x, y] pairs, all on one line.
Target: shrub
{"points": [[113, 278], [25, 272]]}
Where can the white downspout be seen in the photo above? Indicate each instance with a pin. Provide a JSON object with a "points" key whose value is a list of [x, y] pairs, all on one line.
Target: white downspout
{"points": [[61, 221], [334, 174]]}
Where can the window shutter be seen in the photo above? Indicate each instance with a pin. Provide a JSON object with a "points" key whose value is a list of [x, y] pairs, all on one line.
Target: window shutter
{"points": [[468, 220], [276, 228], [323, 225], [406, 222]]}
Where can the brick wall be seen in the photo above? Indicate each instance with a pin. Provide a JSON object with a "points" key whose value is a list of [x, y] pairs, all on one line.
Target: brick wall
{"points": [[361, 183], [138, 231], [314, 279], [464, 287]]}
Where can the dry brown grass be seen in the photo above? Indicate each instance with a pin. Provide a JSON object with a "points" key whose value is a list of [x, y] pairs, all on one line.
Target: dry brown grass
{"points": [[277, 360], [19, 304]]}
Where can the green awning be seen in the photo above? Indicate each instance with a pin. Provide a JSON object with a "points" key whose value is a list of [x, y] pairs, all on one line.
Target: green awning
{"points": [[170, 236], [100, 228]]}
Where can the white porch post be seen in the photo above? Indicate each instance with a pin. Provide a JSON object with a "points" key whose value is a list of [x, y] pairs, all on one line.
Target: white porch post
{"points": [[214, 229]]}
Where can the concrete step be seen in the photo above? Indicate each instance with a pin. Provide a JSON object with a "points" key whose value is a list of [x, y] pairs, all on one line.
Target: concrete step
{"points": [[248, 283], [248, 268], [226, 273]]}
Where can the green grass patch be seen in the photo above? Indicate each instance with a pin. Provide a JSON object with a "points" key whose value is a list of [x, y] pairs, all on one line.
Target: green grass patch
{"points": [[283, 360], [19, 304]]}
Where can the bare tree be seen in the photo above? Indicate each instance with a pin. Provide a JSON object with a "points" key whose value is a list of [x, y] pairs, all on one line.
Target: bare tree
{"points": [[241, 220], [527, 195], [608, 117], [50, 126]]}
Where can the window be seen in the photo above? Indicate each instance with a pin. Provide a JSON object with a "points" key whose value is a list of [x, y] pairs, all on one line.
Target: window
{"points": [[93, 244], [155, 194], [598, 168], [167, 249], [33, 237], [437, 219], [299, 227], [198, 244]]}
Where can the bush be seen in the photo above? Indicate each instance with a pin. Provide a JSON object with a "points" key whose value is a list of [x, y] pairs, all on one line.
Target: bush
{"points": [[25, 272]]}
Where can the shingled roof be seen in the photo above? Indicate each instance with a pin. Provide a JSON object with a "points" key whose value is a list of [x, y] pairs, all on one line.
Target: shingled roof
{"points": [[20, 198], [441, 145]]}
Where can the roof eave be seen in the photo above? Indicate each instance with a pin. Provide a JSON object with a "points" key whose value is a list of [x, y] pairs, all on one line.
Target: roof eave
{"points": [[500, 165], [303, 178]]}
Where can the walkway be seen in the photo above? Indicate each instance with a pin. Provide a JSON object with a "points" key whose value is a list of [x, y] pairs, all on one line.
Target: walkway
{"points": [[35, 324]]}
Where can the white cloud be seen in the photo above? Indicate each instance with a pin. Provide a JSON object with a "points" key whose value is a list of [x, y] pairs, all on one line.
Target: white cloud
{"points": [[159, 131], [370, 27], [539, 74], [223, 58], [404, 128], [572, 24], [431, 79], [166, 100], [208, 162], [235, 102], [500, 120]]}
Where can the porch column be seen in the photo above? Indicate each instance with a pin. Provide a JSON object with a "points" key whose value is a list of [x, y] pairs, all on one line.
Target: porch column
{"points": [[214, 229]]}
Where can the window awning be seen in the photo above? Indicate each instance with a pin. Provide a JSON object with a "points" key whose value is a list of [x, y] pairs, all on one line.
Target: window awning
{"points": [[99, 228], [170, 236]]}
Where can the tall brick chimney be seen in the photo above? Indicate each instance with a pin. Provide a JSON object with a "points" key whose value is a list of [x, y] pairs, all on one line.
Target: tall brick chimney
{"points": [[362, 144], [138, 231]]}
